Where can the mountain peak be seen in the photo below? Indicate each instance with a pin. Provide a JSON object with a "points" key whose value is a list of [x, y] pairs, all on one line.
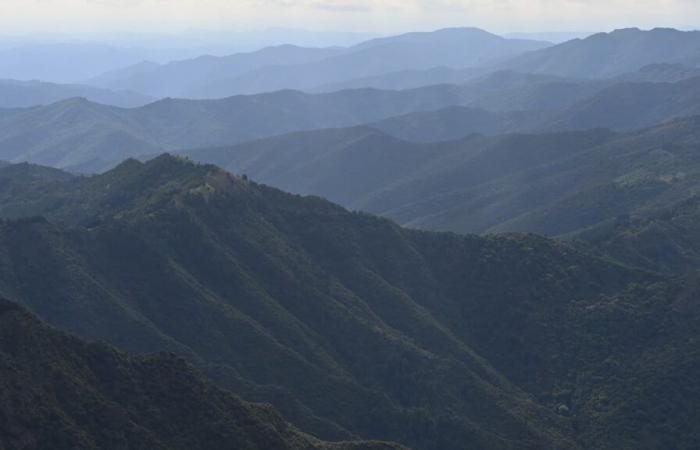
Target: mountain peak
{"points": [[165, 163]]}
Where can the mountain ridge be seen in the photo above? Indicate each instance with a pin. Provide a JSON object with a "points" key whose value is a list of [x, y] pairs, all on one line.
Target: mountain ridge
{"points": [[399, 324], [462, 47], [612, 54]]}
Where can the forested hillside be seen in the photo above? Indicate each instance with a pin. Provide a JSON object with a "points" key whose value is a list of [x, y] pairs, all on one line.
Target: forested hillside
{"points": [[354, 327], [58, 392]]}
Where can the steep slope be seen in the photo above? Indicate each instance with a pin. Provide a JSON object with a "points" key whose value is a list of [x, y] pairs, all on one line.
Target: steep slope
{"points": [[606, 55], [58, 392], [17, 94], [354, 326], [247, 282]]}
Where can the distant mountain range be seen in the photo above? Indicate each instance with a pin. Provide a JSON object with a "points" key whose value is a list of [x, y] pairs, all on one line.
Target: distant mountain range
{"points": [[182, 78], [350, 325], [409, 61], [290, 67]]}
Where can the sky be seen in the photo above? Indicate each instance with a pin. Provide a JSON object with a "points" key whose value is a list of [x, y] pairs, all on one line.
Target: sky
{"points": [[378, 16]]}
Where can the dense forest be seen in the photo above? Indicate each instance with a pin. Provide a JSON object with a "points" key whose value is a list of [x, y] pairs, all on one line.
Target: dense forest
{"points": [[432, 340]]}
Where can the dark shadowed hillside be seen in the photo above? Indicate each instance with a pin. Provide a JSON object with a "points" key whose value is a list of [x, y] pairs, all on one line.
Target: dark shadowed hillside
{"points": [[57, 392], [260, 298], [352, 326]]}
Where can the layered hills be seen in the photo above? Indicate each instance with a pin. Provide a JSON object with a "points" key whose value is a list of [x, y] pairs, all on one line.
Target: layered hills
{"points": [[556, 183], [289, 67], [83, 136], [409, 61]]}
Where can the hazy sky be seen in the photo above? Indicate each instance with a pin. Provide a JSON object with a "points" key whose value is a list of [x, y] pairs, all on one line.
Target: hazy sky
{"points": [[360, 15]]}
